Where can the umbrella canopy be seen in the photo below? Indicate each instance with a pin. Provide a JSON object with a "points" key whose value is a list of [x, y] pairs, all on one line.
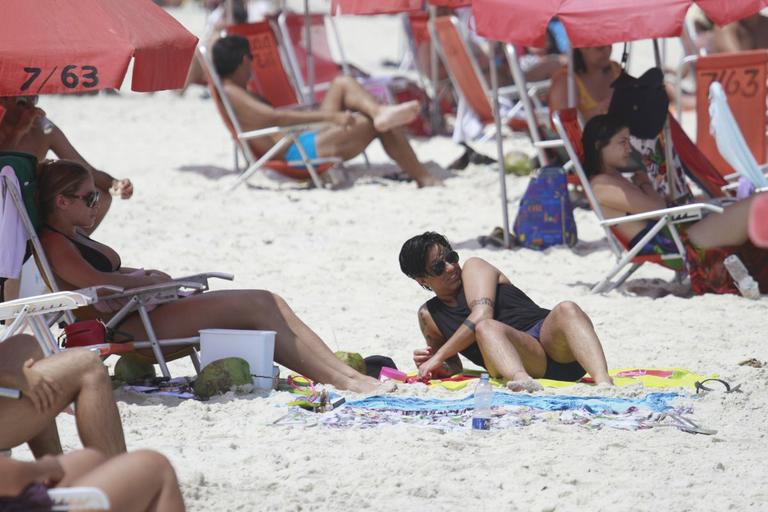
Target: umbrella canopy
{"points": [[598, 22], [63, 46]]}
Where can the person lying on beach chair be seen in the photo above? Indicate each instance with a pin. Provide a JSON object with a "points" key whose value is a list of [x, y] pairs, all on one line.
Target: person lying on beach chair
{"points": [[48, 386], [356, 116], [36, 135], [606, 152], [478, 313], [68, 196], [138, 481]]}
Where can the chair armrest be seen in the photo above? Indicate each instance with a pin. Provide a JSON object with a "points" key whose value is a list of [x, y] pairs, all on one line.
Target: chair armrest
{"points": [[273, 130], [676, 214], [204, 277], [554, 143], [154, 289]]}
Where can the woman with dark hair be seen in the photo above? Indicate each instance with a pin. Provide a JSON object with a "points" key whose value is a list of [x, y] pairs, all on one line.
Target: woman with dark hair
{"points": [[478, 313], [594, 74], [606, 152], [68, 198]]}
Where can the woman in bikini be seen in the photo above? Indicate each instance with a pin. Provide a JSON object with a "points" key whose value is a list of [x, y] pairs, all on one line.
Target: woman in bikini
{"points": [[478, 313], [606, 153], [68, 196], [594, 74]]}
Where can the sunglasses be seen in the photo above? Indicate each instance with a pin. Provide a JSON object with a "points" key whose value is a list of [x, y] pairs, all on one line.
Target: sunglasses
{"points": [[438, 266], [90, 199]]}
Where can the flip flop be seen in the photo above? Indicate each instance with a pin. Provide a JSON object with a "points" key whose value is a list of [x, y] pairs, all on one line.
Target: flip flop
{"points": [[758, 221]]}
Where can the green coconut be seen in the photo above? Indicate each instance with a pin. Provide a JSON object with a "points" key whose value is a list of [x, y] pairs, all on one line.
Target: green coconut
{"points": [[222, 376], [131, 369], [517, 163], [352, 359]]}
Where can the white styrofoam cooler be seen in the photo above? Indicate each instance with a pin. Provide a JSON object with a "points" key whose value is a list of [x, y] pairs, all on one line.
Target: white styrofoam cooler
{"points": [[256, 347]]}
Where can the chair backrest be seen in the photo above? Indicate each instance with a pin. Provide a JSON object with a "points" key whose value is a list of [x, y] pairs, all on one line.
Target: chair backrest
{"points": [[269, 78], [293, 35], [730, 141], [464, 71], [566, 122], [743, 76], [695, 163]]}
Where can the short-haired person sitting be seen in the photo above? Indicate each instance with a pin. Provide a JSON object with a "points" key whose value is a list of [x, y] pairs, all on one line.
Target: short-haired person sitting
{"points": [[478, 313], [357, 116]]}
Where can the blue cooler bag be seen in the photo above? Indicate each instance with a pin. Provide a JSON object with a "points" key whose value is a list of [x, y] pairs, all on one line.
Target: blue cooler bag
{"points": [[545, 216]]}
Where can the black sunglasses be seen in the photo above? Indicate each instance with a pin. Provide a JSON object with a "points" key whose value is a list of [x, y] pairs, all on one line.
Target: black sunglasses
{"points": [[438, 266], [90, 199]]}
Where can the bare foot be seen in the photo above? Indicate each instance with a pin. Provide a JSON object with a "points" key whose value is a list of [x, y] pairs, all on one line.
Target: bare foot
{"points": [[392, 116], [528, 385], [367, 384], [429, 181]]}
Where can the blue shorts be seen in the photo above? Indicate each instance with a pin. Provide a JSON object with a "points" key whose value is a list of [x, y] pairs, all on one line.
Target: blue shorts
{"points": [[570, 372], [307, 140], [661, 243]]}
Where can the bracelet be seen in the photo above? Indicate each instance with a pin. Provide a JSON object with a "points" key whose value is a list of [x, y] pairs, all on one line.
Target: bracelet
{"points": [[469, 324]]}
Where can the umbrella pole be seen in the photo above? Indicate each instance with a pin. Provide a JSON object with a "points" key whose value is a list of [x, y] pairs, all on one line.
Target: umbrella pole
{"points": [[671, 171], [571, 79], [500, 148], [310, 59], [434, 70]]}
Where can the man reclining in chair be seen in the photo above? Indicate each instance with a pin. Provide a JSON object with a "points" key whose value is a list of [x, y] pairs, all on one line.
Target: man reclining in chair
{"points": [[479, 313], [357, 116]]}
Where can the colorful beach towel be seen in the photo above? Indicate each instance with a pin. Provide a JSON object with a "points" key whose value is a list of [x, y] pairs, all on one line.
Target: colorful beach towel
{"points": [[509, 410]]}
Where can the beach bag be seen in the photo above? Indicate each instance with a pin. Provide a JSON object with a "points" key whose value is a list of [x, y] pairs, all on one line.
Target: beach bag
{"points": [[642, 103], [545, 215], [91, 332]]}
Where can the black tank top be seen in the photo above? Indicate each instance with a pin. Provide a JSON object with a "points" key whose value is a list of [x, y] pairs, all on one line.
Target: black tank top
{"points": [[513, 307], [93, 256]]}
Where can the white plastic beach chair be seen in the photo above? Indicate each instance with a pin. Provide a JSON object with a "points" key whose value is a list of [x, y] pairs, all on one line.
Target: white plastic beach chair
{"points": [[78, 498], [567, 126], [730, 141]]}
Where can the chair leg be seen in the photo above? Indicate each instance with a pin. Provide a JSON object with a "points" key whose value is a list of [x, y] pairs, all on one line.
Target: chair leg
{"points": [[605, 285], [237, 157], [626, 275], [153, 340], [367, 162], [195, 361]]}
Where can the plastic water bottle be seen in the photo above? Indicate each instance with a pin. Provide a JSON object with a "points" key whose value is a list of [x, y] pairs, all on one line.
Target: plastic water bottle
{"points": [[744, 282], [481, 419]]}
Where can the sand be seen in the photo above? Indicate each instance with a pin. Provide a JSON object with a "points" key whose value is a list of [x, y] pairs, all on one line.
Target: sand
{"points": [[333, 256]]}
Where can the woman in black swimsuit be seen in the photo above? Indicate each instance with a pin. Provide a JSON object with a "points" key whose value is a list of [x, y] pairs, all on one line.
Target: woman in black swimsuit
{"points": [[67, 197], [478, 313]]}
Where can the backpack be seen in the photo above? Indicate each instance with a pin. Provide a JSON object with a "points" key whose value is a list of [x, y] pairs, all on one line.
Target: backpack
{"points": [[545, 215]]}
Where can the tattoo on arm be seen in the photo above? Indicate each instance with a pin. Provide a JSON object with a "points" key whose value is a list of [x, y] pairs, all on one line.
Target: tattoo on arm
{"points": [[482, 301]]}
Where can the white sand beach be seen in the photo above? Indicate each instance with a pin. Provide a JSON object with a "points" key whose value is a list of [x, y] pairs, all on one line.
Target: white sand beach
{"points": [[332, 254]]}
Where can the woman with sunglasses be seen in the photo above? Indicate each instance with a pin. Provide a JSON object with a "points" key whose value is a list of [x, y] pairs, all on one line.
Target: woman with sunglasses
{"points": [[478, 313], [67, 197]]}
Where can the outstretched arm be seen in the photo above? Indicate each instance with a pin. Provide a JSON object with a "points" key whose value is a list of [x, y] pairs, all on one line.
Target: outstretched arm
{"points": [[480, 280], [435, 340], [60, 145]]}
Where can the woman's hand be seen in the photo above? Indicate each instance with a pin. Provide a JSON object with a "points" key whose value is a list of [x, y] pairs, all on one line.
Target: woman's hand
{"points": [[123, 188], [421, 356], [431, 368], [640, 178], [41, 390]]}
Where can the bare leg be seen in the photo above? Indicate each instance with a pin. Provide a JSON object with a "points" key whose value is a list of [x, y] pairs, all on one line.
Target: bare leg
{"points": [[80, 377], [139, 481], [11, 289], [47, 442], [349, 142], [296, 345], [514, 355], [728, 228], [568, 335], [346, 93], [76, 464], [758, 221]]}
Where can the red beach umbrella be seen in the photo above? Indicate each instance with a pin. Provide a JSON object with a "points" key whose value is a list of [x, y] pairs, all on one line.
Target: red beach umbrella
{"points": [[65, 46], [598, 22]]}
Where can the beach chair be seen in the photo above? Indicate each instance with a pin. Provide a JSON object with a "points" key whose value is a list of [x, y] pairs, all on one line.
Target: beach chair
{"points": [[273, 84], [731, 143], [78, 498], [566, 124], [743, 76], [292, 33], [468, 80], [33, 310]]}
